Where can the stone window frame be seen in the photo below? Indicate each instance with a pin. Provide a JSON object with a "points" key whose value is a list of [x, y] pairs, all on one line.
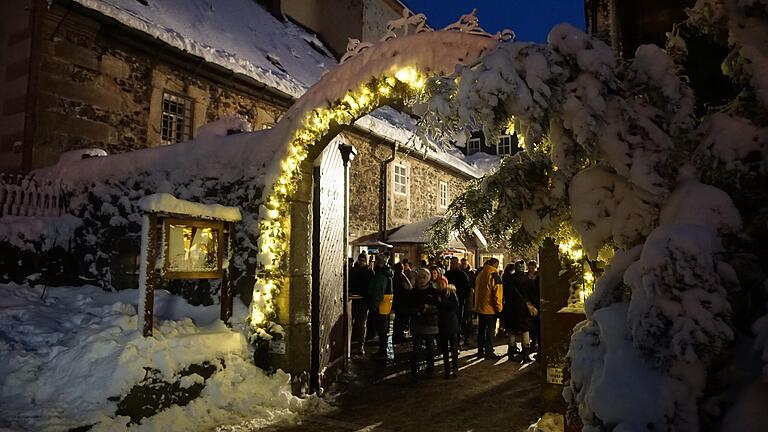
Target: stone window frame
{"points": [[188, 120], [471, 148], [396, 186], [501, 145], [443, 194], [165, 79]]}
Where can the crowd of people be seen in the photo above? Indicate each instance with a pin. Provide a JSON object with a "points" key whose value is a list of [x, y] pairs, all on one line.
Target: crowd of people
{"points": [[435, 307]]}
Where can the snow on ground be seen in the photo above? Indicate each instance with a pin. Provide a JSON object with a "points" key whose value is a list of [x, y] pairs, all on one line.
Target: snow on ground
{"points": [[67, 352]]}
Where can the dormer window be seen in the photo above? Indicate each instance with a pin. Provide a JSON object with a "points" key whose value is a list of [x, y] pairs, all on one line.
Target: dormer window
{"points": [[504, 147], [473, 146]]}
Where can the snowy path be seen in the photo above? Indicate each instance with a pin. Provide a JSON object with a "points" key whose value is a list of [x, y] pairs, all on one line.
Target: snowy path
{"points": [[487, 396]]}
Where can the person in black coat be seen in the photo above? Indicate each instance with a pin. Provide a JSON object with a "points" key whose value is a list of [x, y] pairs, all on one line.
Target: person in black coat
{"points": [[424, 322], [359, 280], [401, 305], [519, 291], [466, 318], [459, 279], [533, 275], [448, 324], [506, 280]]}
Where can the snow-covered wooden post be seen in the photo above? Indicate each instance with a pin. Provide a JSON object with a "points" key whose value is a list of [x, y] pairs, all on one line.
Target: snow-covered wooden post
{"points": [[195, 243], [147, 273], [564, 275]]}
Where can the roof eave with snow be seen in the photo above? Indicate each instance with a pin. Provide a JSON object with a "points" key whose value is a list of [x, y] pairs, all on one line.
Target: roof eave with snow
{"points": [[249, 71]]}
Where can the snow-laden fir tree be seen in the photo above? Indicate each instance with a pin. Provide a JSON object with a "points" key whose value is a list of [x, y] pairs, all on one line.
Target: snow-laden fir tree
{"points": [[671, 172]]}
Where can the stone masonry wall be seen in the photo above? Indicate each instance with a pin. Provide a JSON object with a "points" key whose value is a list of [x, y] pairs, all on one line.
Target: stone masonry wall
{"points": [[421, 201], [95, 92]]}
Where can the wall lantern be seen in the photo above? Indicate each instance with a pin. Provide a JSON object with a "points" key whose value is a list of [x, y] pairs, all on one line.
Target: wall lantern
{"points": [[183, 240]]}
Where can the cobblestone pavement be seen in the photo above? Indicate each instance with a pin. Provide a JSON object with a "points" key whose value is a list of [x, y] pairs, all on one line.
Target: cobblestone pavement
{"points": [[488, 395]]}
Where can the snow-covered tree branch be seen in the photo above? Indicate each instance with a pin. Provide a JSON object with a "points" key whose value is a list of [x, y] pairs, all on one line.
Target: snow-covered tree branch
{"points": [[627, 155]]}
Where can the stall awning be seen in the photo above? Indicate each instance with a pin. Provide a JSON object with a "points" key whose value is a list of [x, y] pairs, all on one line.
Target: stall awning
{"points": [[374, 243], [370, 240], [415, 233]]}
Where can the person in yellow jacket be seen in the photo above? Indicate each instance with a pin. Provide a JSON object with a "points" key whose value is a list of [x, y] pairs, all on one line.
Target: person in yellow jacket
{"points": [[488, 303]]}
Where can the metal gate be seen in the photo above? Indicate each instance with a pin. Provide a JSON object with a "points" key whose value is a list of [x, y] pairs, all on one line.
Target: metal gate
{"points": [[328, 261]]}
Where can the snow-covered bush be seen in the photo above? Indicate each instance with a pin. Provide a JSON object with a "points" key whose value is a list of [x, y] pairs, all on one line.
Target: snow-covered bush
{"points": [[110, 210], [621, 153], [104, 194], [75, 359]]}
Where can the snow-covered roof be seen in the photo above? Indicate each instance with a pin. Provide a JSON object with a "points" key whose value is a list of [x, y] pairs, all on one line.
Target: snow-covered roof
{"points": [[239, 35], [412, 232], [224, 156], [415, 233], [400, 127], [242, 36]]}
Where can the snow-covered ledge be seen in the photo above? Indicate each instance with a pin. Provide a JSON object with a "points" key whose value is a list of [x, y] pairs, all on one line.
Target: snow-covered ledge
{"points": [[167, 203]]}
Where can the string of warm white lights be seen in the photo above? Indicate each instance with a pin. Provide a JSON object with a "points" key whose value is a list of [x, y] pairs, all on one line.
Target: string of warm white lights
{"points": [[274, 215], [572, 250]]}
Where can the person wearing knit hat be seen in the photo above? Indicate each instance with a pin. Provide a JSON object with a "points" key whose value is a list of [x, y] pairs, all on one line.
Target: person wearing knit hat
{"points": [[381, 260], [423, 278], [424, 323]]}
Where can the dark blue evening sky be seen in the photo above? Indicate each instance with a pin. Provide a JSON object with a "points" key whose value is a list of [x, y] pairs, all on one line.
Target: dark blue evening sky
{"points": [[531, 20]]}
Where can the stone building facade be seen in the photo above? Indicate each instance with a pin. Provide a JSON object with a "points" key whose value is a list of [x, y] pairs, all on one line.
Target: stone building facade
{"points": [[421, 199], [15, 55], [96, 90], [101, 84], [97, 79]]}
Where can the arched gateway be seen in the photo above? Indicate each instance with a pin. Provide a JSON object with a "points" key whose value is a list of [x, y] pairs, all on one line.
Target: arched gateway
{"points": [[370, 76]]}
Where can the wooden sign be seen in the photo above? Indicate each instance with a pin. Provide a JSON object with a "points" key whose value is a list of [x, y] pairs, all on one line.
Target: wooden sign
{"points": [[277, 346], [192, 245], [555, 375]]}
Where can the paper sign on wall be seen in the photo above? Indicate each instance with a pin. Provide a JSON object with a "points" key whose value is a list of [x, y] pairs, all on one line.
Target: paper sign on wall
{"points": [[555, 375], [277, 346]]}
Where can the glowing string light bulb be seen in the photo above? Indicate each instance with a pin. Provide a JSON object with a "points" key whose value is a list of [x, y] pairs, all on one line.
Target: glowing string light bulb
{"points": [[274, 225]]}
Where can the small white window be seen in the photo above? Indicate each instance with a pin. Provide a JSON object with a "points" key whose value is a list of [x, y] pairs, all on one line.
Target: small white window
{"points": [[401, 179], [443, 194], [504, 146], [176, 121], [473, 146]]}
